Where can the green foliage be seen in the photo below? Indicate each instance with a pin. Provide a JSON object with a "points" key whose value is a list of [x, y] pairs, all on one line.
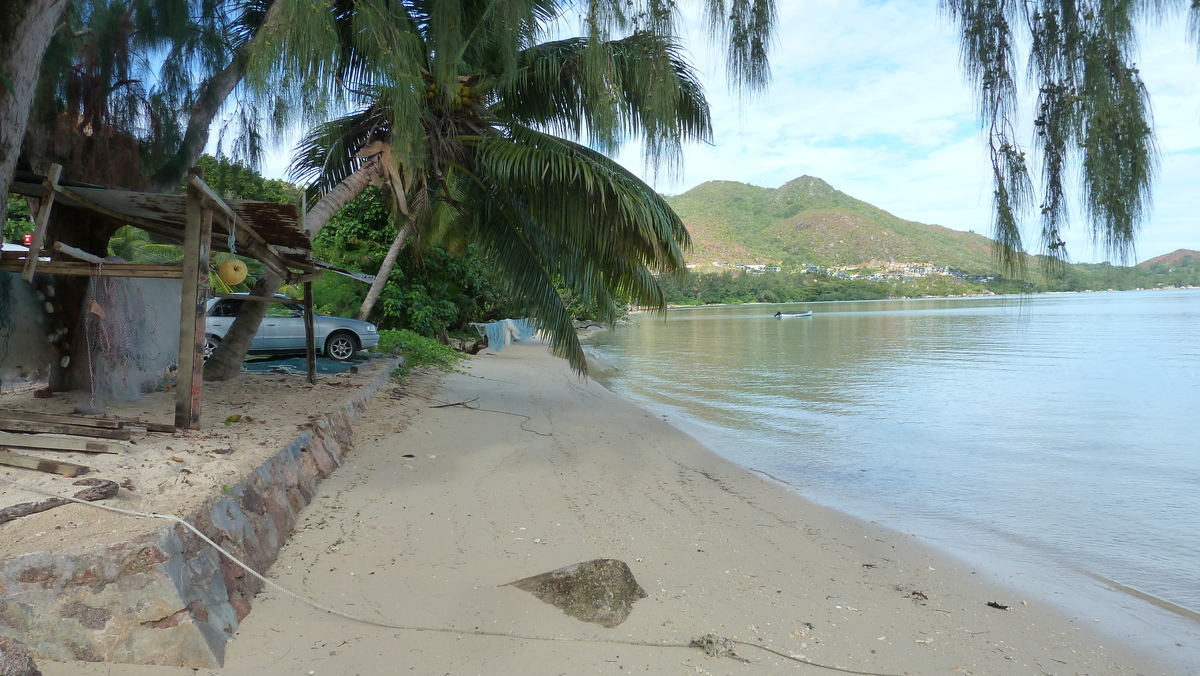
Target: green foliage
{"points": [[418, 351], [730, 288], [17, 221], [235, 180], [428, 291]]}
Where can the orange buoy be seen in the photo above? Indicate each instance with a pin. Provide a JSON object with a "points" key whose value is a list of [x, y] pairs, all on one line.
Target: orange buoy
{"points": [[232, 272]]}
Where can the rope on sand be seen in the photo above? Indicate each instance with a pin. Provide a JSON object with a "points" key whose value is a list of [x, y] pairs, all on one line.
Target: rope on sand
{"points": [[468, 405], [711, 644]]}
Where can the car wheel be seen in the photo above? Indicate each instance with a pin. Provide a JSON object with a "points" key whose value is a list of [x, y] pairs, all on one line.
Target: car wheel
{"points": [[210, 344], [341, 346]]}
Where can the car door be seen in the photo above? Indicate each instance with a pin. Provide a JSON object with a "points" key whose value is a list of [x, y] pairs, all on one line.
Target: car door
{"points": [[221, 316], [283, 327]]}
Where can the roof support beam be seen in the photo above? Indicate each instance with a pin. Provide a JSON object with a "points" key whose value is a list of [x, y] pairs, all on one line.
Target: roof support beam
{"points": [[197, 238]]}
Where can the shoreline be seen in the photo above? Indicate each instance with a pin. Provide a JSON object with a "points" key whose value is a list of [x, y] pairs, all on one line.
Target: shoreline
{"points": [[1142, 622], [430, 518]]}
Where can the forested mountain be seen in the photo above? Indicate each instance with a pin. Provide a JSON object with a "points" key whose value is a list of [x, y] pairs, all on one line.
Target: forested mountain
{"points": [[807, 221]]}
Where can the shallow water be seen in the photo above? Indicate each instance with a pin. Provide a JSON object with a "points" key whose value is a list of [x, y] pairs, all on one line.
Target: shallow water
{"points": [[1045, 438]]}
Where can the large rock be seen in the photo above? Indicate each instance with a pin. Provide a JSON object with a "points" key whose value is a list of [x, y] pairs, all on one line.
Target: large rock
{"points": [[15, 659], [601, 591]]}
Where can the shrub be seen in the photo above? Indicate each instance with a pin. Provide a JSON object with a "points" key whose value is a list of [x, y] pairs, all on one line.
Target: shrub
{"points": [[418, 351]]}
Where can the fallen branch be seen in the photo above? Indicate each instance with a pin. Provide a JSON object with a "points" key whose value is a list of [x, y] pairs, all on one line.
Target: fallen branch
{"points": [[99, 489]]}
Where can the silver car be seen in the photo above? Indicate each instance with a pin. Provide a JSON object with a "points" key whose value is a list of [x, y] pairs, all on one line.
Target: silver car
{"points": [[282, 330]]}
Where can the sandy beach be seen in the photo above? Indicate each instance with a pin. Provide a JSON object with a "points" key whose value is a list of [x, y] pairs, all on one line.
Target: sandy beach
{"points": [[441, 506]]}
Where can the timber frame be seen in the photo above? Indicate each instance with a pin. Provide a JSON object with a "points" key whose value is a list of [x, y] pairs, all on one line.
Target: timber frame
{"points": [[201, 221]]}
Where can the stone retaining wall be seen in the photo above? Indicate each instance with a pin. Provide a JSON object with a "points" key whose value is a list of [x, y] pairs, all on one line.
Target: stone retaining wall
{"points": [[168, 597]]}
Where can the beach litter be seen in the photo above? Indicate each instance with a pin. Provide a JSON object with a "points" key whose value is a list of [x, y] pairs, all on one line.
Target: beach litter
{"points": [[601, 591]]}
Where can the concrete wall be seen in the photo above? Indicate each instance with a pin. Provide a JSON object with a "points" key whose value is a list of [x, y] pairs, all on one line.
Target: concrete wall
{"points": [[168, 597]]}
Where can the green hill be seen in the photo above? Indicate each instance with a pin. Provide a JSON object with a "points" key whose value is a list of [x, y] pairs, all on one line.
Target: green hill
{"points": [[807, 221]]}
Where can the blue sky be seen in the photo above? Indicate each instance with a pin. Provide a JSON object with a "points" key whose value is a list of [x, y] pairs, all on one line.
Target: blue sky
{"points": [[869, 96]]}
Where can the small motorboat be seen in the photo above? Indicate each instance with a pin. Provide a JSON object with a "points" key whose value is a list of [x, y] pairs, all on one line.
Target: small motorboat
{"points": [[789, 315]]}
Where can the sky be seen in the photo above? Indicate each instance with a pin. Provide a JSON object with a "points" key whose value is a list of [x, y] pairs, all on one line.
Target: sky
{"points": [[869, 96]]}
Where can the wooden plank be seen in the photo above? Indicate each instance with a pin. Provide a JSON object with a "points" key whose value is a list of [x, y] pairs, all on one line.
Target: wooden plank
{"points": [[155, 227], [14, 459], [53, 443], [43, 221], [61, 419], [75, 269], [310, 348], [11, 425], [78, 254], [196, 243]]}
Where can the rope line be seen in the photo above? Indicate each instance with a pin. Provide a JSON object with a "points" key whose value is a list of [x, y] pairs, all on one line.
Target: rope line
{"points": [[701, 643], [467, 405]]}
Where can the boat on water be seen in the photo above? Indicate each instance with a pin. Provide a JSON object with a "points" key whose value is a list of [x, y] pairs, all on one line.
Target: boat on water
{"points": [[789, 315]]}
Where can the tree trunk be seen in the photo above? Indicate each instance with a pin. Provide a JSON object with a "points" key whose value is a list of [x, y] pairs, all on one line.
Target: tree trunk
{"points": [[209, 99], [226, 360], [353, 186], [385, 269], [26, 27]]}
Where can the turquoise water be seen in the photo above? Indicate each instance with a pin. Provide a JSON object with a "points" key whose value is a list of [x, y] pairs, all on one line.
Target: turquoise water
{"points": [[1053, 440]]}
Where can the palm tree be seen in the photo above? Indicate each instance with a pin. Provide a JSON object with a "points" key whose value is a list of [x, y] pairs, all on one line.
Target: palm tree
{"points": [[473, 125]]}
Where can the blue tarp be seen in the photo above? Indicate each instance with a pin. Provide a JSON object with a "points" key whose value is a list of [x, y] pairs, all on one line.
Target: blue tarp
{"points": [[501, 333]]}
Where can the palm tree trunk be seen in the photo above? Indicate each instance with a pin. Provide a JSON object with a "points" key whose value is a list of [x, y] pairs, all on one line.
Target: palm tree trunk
{"points": [[26, 27], [389, 261], [353, 185], [226, 360]]}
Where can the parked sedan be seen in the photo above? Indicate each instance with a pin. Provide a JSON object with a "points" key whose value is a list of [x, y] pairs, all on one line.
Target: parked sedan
{"points": [[282, 330]]}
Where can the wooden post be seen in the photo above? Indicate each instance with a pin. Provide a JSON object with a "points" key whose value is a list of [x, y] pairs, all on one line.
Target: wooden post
{"points": [[310, 351], [197, 236], [43, 220]]}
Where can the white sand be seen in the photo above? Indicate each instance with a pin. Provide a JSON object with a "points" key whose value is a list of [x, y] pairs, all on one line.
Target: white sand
{"points": [[558, 471]]}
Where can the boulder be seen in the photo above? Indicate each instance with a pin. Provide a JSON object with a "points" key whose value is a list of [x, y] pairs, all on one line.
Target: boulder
{"points": [[601, 591]]}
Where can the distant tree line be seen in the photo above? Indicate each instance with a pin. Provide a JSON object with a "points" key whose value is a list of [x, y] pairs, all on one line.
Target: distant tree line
{"points": [[734, 287]]}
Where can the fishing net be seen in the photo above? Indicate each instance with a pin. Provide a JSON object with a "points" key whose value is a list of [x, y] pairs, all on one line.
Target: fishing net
{"points": [[131, 342], [25, 350]]}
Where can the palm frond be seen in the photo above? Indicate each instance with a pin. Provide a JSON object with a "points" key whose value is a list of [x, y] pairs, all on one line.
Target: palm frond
{"points": [[502, 234], [643, 87]]}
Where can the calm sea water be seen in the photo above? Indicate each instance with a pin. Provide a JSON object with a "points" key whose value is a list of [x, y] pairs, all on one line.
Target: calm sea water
{"points": [[1052, 440]]}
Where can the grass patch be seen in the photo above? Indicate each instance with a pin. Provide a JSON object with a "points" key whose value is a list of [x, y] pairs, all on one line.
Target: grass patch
{"points": [[418, 351]]}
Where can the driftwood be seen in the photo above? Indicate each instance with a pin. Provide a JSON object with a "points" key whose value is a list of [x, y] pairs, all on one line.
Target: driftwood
{"points": [[150, 427], [468, 346], [99, 489]]}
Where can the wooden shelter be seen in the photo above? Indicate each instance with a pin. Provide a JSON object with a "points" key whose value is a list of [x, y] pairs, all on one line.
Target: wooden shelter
{"points": [[201, 221]]}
